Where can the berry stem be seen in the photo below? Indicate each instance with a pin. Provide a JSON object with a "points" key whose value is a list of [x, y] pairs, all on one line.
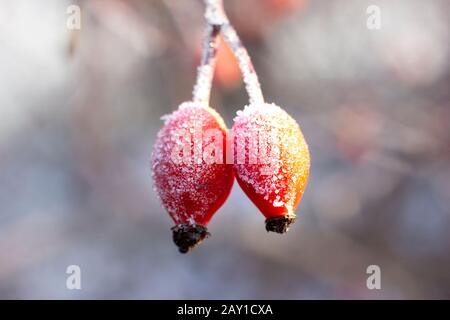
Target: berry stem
{"points": [[205, 71], [217, 21], [249, 75]]}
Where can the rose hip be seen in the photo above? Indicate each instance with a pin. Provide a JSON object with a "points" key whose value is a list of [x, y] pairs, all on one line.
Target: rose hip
{"points": [[190, 173], [274, 171]]}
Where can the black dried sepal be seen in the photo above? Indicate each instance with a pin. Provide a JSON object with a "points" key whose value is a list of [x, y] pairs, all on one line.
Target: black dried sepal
{"points": [[188, 236], [279, 224]]}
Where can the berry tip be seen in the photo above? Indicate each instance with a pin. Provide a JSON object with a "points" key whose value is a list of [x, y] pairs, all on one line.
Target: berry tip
{"points": [[188, 236], [279, 224]]}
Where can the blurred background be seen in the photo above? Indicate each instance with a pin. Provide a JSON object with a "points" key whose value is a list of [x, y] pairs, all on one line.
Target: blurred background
{"points": [[80, 111]]}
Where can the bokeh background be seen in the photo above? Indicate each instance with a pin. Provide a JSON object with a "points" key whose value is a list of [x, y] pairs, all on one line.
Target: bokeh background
{"points": [[80, 111]]}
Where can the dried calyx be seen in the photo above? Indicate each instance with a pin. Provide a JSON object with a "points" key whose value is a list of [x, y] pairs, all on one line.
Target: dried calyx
{"points": [[279, 224], [188, 236]]}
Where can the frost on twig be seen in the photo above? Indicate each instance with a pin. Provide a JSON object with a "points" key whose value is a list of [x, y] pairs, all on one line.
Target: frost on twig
{"points": [[249, 75], [218, 22], [205, 71]]}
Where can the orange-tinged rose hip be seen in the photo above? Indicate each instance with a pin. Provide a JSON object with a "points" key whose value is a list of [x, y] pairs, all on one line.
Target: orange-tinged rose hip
{"points": [[271, 162]]}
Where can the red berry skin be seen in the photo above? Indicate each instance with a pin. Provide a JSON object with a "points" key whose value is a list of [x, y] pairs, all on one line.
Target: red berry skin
{"points": [[191, 186], [274, 183]]}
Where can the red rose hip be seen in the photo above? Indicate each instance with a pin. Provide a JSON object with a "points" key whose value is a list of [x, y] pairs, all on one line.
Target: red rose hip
{"points": [[189, 170]]}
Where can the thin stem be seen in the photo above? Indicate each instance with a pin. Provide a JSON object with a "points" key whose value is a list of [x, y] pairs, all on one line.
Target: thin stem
{"points": [[249, 75], [217, 21], [205, 71]]}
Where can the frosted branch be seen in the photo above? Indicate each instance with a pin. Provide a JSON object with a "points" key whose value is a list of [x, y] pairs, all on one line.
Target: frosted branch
{"points": [[249, 75], [217, 21], [205, 71]]}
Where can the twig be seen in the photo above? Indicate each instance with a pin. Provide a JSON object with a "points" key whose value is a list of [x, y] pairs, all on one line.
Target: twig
{"points": [[217, 21], [249, 75], [205, 71]]}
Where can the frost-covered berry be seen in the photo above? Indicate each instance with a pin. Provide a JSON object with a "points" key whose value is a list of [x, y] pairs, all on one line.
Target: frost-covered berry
{"points": [[189, 170], [271, 162]]}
